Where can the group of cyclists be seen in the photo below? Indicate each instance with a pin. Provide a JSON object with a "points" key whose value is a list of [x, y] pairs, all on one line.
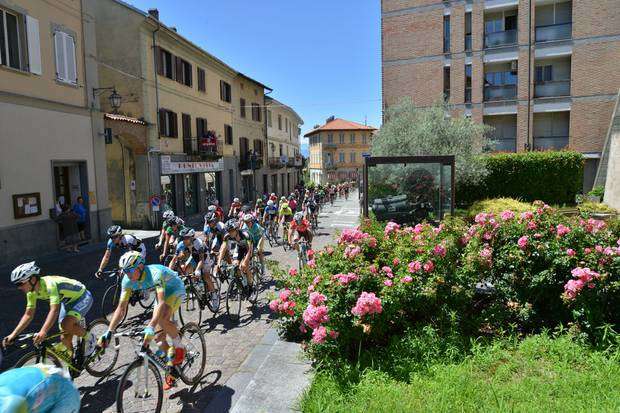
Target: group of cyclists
{"points": [[233, 237]]}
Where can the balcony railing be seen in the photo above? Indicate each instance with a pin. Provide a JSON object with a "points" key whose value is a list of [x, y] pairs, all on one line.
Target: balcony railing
{"points": [[329, 166], [552, 88], [505, 144], [275, 162], [203, 147], [500, 92], [468, 42], [550, 142], [503, 38], [329, 144], [247, 163], [553, 32]]}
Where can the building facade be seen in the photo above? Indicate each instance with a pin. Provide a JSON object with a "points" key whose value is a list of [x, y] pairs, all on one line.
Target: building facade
{"points": [[51, 148], [337, 150], [283, 157], [543, 73]]}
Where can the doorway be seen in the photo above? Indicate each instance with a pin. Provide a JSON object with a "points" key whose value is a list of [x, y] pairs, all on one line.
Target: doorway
{"points": [[190, 194], [71, 182], [168, 192]]}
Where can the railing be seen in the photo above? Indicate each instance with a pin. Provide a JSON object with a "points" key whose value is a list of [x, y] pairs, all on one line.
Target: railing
{"points": [[505, 144], [329, 166], [553, 32], [503, 38], [552, 88], [202, 147], [550, 142], [500, 92], [246, 163], [275, 162], [329, 144], [468, 42]]}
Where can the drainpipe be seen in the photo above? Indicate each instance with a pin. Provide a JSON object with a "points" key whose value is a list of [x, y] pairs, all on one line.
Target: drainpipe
{"points": [[266, 151], [529, 146], [148, 152]]}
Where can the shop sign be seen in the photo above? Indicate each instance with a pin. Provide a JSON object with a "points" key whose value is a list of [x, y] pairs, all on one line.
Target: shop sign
{"points": [[169, 167]]}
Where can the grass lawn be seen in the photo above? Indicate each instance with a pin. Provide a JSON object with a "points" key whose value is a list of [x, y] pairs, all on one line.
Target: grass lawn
{"points": [[538, 374]]}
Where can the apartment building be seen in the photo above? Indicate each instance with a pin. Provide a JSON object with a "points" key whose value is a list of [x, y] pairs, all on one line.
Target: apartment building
{"points": [[51, 152], [543, 73], [175, 143], [337, 150], [284, 159]]}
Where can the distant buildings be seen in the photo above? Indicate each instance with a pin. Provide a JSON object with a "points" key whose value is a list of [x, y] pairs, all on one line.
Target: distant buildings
{"points": [[337, 150]]}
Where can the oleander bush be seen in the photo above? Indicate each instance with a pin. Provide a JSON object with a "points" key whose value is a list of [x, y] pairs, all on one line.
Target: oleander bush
{"points": [[497, 206], [503, 273]]}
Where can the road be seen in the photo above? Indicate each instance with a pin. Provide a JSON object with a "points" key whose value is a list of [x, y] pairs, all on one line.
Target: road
{"points": [[228, 345]]}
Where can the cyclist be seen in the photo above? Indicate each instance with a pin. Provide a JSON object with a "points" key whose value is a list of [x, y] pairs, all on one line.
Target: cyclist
{"points": [[166, 216], [234, 208], [38, 389], [214, 232], [259, 209], [300, 227], [172, 234], [236, 249], [191, 254], [310, 208], [270, 215], [69, 302], [273, 197], [170, 294], [218, 209], [286, 216], [116, 239], [256, 232], [292, 202]]}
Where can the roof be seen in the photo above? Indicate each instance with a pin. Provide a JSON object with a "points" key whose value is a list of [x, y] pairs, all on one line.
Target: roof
{"points": [[255, 81], [123, 118], [338, 124], [274, 102]]}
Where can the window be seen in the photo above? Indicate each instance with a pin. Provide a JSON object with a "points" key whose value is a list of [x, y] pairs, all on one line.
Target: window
{"points": [[10, 33], [228, 134], [66, 66], [364, 138], [201, 127], [183, 72], [468, 31], [168, 126], [165, 63], [242, 107], [544, 73], [330, 138], [202, 84], [500, 78], [256, 112], [225, 92], [446, 34], [186, 121], [352, 157], [352, 138], [285, 124], [341, 157], [281, 149], [446, 83], [258, 147], [341, 137], [279, 122], [467, 83], [269, 122]]}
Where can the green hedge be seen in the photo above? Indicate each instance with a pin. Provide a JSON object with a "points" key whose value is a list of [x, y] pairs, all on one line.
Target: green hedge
{"points": [[551, 176]]}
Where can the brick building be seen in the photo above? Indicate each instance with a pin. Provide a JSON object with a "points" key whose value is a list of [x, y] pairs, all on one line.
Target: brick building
{"points": [[543, 73]]}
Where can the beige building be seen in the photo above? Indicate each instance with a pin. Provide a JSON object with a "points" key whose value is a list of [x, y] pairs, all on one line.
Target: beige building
{"points": [[337, 150], [543, 73], [284, 159], [177, 135], [50, 140]]}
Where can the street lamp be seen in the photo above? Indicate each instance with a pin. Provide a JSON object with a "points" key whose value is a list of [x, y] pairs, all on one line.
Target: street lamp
{"points": [[115, 99]]}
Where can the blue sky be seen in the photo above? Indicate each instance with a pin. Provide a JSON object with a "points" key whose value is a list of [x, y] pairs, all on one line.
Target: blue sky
{"points": [[322, 57]]}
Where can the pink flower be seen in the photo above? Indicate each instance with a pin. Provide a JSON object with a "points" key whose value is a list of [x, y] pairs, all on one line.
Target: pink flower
{"points": [[562, 230], [486, 254], [527, 215], [319, 335], [273, 305], [598, 249], [439, 250], [395, 262], [373, 269], [311, 264], [386, 269], [293, 272], [316, 280], [570, 252], [316, 298], [372, 242], [310, 254], [314, 316], [390, 228], [407, 279], [367, 303], [531, 225], [302, 328], [352, 251], [507, 215], [388, 283], [487, 236], [414, 266], [284, 295], [344, 279], [334, 334], [572, 288], [522, 243], [329, 250], [587, 250], [429, 266]]}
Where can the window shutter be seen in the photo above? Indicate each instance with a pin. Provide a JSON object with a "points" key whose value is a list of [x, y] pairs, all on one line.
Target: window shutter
{"points": [[59, 46], [70, 56], [34, 45], [174, 124], [162, 122], [159, 60], [190, 75], [179, 69]]}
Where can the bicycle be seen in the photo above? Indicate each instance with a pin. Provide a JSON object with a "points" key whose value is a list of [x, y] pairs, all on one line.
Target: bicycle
{"points": [[134, 385], [314, 222], [302, 253], [196, 296], [99, 364], [112, 295], [272, 233], [238, 290], [257, 269], [285, 227]]}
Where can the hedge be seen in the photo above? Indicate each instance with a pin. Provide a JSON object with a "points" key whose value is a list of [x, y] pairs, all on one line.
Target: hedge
{"points": [[555, 177]]}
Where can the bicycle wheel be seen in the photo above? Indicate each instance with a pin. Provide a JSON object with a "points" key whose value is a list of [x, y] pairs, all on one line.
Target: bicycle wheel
{"points": [[234, 299], [102, 361], [213, 305], [110, 302], [34, 357], [140, 388], [190, 305], [195, 361], [147, 299]]}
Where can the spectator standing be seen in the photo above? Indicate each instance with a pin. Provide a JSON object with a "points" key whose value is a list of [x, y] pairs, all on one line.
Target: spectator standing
{"points": [[80, 211]]}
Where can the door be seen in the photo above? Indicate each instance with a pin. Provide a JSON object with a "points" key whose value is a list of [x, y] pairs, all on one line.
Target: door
{"points": [[61, 184], [168, 192], [190, 194]]}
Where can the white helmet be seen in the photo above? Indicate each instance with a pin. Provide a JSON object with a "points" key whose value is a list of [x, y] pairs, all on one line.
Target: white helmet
{"points": [[167, 214], [24, 272], [236, 200], [212, 208], [130, 260], [248, 218], [270, 202]]}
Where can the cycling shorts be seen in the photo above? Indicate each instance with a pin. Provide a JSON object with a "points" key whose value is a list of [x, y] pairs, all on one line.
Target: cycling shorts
{"points": [[77, 309]]}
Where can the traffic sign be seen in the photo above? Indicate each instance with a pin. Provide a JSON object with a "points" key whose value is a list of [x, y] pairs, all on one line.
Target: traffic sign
{"points": [[365, 155], [155, 203]]}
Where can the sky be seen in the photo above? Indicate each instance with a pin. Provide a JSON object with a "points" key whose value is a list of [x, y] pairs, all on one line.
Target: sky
{"points": [[321, 57]]}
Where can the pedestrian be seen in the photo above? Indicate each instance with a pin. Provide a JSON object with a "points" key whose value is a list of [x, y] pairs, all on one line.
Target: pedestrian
{"points": [[80, 210], [68, 221]]}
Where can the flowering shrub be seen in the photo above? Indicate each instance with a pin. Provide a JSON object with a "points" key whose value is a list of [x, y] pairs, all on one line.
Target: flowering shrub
{"points": [[524, 271]]}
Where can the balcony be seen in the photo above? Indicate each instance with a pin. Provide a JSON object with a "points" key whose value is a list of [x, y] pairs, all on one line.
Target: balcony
{"points": [[329, 145], [205, 147], [550, 142], [249, 163], [552, 88], [329, 166], [505, 144], [502, 38], [290, 162], [275, 162], [499, 92], [554, 32], [299, 162]]}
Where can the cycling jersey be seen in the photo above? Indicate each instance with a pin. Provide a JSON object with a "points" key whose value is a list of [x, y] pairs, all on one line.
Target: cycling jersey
{"points": [[238, 248], [293, 204], [37, 389], [286, 211], [255, 232], [56, 290], [196, 248], [154, 276], [301, 227], [271, 210], [128, 242]]}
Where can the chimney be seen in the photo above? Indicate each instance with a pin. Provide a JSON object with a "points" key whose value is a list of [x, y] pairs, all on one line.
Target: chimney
{"points": [[332, 117], [154, 13]]}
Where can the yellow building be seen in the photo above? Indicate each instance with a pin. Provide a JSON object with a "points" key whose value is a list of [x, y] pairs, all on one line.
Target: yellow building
{"points": [[177, 139], [337, 150], [49, 139], [284, 160]]}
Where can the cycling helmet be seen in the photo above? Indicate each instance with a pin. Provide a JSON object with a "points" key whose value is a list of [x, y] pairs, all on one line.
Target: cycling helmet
{"points": [[291, 197], [212, 208], [167, 214], [259, 201], [216, 202], [114, 230], [236, 200], [130, 260], [187, 233], [24, 272], [273, 194], [232, 224], [248, 218], [178, 221], [298, 217], [270, 203], [211, 217]]}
